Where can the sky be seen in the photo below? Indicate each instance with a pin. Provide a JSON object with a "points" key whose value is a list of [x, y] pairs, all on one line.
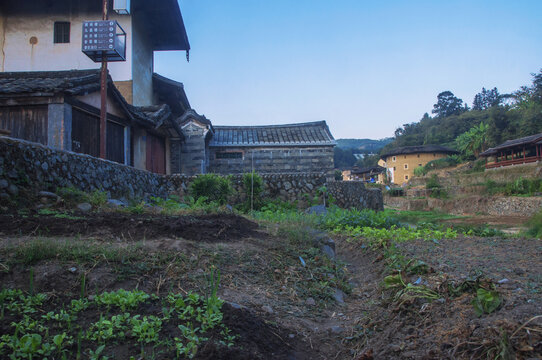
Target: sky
{"points": [[366, 67]]}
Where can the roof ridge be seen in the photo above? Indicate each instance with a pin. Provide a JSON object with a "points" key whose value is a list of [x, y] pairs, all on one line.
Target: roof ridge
{"points": [[321, 122]]}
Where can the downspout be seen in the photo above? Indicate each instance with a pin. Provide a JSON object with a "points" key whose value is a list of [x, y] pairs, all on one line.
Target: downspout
{"points": [[3, 43]]}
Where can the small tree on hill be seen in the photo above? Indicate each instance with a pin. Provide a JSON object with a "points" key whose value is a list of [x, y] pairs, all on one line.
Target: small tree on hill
{"points": [[486, 99], [447, 104]]}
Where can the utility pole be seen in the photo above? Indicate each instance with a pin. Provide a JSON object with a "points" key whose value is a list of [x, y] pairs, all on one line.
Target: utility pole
{"points": [[103, 93]]}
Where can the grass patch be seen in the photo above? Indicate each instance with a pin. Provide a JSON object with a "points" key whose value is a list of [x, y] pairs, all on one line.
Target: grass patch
{"points": [[42, 249], [414, 217]]}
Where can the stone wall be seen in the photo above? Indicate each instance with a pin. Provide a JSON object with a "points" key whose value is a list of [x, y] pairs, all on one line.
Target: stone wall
{"points": [[272, 160], [27, 168], [471, 205], [349, 194]]}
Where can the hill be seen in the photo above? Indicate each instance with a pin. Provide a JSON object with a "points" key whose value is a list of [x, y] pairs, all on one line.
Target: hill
{"points": [[507, 116], [365, 145]]}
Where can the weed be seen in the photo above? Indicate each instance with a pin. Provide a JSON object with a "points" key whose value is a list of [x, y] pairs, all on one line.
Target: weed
{"points": [[535, 225]]}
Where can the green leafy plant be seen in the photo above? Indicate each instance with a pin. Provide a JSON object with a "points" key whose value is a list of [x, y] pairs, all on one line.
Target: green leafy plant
{"points": [[122, 298], [486, 301]]}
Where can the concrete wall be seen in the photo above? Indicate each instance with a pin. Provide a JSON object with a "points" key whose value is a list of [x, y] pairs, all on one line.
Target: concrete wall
{"points": [[142, 63], [273, 160], [23, 23], [396, 165], [27, 168]]}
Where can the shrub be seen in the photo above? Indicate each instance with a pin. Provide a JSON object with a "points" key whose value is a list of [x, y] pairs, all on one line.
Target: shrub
{"points": [[253, 188], [443, 163], [437, 191], [535, 225], [211, 186]]}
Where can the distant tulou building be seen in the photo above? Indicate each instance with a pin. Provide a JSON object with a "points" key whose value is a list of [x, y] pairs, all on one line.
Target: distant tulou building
{"points": [[401, 162], [50, 94]]}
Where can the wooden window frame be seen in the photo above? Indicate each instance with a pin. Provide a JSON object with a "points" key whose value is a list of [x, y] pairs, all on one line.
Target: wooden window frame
{"points": [[61, 32]]}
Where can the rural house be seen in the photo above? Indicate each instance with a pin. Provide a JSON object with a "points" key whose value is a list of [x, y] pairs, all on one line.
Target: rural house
{"points": [[401, 162], [291, 148], [514, 152], [50, 94], [367, 174], [49, 89]]}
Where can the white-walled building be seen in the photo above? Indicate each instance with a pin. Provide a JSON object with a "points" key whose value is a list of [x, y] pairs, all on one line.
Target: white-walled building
{"points": [[41, 39]]}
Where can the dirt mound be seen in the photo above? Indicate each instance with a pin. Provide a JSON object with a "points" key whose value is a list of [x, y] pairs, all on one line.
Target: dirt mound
{"points": [[208, 228]]}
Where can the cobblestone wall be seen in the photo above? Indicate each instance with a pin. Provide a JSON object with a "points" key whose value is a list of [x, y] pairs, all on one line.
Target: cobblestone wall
{"points": [[27, 168]]}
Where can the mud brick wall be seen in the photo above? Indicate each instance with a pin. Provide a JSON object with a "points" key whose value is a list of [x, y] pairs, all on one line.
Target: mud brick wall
{"points": [[27, 168], [272, 160]]}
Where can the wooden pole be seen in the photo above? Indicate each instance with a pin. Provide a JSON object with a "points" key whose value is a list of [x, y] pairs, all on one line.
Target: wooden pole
{"points": [[103, 95]]}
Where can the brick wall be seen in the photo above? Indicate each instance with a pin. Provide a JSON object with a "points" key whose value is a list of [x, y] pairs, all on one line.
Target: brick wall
{"points": [[272, 160]]}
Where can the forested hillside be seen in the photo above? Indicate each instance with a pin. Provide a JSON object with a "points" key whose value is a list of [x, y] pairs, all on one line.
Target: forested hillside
{"points": [[506, 116], [363, 145]]}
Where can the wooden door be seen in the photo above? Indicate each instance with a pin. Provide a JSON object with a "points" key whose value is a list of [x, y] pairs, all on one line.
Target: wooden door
{"points": [[85, 133], [28, 122], [115, 142], [156, 154]]}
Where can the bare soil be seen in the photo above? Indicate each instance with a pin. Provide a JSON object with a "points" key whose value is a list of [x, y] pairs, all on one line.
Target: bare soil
{"points": [[266, 302]]}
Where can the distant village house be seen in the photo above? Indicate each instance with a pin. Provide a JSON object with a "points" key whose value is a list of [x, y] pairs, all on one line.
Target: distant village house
{"points": [[514, 152], [401, 162]]}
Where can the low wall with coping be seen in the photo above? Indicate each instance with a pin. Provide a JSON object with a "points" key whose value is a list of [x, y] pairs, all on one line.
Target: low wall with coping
{"points": [[27, 168]]}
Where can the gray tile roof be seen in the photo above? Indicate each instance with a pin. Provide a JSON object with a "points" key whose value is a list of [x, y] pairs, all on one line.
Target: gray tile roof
{"points": [[527, 140], [419, 149], [302, 134], [71, 82], [78, 82]]}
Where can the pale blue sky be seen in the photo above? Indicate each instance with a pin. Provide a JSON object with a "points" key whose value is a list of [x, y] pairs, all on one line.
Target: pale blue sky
{"points": [[366, 67]]}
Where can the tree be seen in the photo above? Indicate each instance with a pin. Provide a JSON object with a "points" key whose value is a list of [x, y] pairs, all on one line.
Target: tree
{"points": [[526, 96], [447, 104], [474, 141], [486, 99]]}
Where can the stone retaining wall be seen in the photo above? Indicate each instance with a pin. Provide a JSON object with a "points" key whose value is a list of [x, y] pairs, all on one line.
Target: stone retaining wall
{"points": [[27, 168], [470, 205]]}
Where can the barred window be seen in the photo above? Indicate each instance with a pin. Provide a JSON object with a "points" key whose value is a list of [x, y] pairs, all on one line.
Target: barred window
{"points": [[62, 32], [229, 155]]}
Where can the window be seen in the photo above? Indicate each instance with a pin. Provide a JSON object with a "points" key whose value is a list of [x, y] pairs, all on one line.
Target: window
{"points": [[420, 165], [62, 32], [404, 157], [418, 155], [394, 158], [406, 177], [394, 168], [229, 155], [406, 166]]}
